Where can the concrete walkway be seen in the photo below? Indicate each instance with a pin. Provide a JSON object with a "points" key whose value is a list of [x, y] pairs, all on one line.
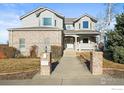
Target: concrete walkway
{"points": [[70, 67], [69, 71]]}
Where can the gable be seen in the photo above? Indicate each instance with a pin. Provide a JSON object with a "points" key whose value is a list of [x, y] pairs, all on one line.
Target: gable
{"points": [[86, 16], [38, 11]]}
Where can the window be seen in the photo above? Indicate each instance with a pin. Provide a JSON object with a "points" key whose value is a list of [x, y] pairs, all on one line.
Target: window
{"points": [[47, 21], [90, 25], [79, 25], [21, 43], [55, 22], [69, 27], [85, 24], [85, 40]]}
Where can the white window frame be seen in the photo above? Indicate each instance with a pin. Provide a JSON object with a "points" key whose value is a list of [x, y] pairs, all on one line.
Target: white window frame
{"points": [[21, 44], [42, 22], [71, 27], [83, 24]]}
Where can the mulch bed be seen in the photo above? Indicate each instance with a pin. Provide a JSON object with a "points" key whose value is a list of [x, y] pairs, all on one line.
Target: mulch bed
{"points": [[18, 75]]}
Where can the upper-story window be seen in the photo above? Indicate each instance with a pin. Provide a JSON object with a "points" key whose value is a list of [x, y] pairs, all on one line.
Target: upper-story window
{"points": [[47, 21], [54, 22], [85, 24], [69, 27]]}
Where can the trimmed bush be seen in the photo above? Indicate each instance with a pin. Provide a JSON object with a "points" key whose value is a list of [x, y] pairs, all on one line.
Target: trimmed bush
{"points": [[56, 51], [118, 55]]}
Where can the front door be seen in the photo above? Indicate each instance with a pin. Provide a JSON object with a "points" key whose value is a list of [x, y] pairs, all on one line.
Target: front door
{"points": [[69, 42]]}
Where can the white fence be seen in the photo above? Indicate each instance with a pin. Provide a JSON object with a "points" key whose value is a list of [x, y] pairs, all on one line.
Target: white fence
{"points": [[83, 46]]}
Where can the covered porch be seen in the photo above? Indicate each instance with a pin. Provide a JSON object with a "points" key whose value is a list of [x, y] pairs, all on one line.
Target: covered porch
{"points": [[80, 41]]}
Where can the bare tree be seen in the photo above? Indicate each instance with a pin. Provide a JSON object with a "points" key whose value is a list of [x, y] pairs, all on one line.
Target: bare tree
{"points": [[107, 17]]}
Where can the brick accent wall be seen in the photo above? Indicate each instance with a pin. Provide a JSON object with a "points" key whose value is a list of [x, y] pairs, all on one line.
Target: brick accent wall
{"points": [[34, 38]]}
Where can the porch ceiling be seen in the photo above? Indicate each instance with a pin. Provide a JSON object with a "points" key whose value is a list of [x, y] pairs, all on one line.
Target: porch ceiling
{"points": [[83, 32]]}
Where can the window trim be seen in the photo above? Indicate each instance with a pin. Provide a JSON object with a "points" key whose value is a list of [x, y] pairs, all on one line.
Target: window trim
{"points": [[69, 27], [47, 25], [83, 24], [21, 45]]}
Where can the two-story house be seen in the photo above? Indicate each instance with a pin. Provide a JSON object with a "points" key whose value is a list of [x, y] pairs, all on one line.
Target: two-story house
{"points": [[44, 26]]}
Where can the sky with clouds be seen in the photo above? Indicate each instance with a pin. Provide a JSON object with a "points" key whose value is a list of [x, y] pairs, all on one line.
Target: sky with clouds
{"points": [[10, 13]]}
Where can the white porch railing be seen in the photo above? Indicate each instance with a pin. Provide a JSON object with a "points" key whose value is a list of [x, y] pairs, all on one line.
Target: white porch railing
{"points": [[83, 46]]}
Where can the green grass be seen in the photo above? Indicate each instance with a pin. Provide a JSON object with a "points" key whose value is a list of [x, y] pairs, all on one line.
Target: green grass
{"points": [[19, 65]]}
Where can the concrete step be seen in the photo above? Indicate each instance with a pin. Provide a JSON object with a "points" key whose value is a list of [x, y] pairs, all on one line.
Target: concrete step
{"points": [[69, 53]]}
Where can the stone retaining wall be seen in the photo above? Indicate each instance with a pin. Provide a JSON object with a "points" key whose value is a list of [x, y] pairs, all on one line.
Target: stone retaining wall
{"points": [[18, 75]]}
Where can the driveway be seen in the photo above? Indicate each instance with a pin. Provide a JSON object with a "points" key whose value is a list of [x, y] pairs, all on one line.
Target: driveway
{"points": [[69, 71]]}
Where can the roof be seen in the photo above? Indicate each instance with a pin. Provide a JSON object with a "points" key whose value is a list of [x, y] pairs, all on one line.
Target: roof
{"points": [[35, 28], [92, 18], [39, 10], [69, 20], [85, 32]]}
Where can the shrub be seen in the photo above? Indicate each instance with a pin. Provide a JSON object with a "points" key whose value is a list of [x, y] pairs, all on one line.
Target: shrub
{"points": [[101, 46], [108, 54], [33, 51], [9, 52], [2, 55], [56, 51], [118, 55], [115, 40]]}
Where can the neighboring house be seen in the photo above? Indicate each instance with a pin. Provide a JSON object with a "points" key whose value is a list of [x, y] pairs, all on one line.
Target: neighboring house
{"points": [[44, 26]]}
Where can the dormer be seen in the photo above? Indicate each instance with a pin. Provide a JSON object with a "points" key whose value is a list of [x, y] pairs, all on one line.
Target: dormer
{"points": [[85, 22]]}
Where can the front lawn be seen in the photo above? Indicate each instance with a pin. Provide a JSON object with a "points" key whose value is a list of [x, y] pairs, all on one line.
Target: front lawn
{"points": [[19, 65], [111, 64], [106, 63]]}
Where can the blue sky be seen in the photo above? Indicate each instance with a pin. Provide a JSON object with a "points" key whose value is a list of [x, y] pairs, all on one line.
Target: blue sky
{"points": [[10, 13]]}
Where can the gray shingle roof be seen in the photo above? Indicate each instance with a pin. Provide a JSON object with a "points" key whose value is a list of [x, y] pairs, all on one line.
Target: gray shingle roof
{"points": [[85, 32], [39, 10], [69, 20], [93, 18], [35, 28]]}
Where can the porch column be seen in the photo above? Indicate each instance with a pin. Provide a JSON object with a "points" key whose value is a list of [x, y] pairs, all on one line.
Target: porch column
{"points": [[76, 43]]}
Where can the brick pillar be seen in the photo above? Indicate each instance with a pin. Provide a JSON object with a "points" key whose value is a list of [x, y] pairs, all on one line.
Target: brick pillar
{"points": [[45, 64], [96, 63]]}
